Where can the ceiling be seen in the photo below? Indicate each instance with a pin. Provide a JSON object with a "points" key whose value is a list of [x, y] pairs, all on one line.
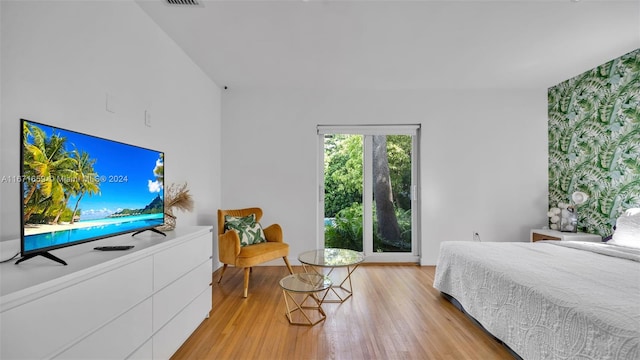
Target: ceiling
{"points": [[397, 45]]}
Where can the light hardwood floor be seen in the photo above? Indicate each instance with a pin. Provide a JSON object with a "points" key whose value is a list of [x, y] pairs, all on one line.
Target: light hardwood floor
{"points": [[395, 313]]}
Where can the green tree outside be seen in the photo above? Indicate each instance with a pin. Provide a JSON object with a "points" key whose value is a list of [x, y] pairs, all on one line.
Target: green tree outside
{"points": [[343, 192]]}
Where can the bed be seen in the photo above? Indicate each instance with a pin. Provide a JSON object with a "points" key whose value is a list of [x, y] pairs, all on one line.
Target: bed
{"points": [[548, 299]]}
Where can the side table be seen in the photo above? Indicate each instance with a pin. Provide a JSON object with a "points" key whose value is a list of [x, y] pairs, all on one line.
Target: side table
{"points": [[308, 285], [333, 258], [546, 234]]}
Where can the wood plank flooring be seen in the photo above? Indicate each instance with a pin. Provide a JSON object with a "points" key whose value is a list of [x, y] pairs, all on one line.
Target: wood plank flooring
{"points": [[394, 313]]}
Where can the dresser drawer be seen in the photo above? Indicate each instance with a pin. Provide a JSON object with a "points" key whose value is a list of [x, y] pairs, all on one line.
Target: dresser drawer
{"points": [[176, 261], [169, 339], [128, 332], [43, 327], [173, 298]]}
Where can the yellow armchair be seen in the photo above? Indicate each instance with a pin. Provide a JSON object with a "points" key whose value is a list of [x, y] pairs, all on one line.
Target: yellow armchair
{"points": [[231, 253]]}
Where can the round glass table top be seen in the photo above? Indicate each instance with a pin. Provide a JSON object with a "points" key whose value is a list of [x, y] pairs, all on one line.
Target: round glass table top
{"points": [[305, 282], [331, 257]]}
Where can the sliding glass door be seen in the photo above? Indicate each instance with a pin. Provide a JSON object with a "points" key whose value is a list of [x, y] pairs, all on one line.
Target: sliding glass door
{"points": [[368, 195]]}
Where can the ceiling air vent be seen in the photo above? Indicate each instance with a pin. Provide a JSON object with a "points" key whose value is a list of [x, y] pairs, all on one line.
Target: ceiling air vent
{"points": [[184, 2]]}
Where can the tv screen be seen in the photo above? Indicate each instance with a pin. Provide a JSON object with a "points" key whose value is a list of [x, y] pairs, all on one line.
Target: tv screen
{"points": [[78, 187]]}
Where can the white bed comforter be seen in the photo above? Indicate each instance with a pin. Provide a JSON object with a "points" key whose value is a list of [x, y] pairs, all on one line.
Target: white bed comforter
{"points": [[549, 299]]}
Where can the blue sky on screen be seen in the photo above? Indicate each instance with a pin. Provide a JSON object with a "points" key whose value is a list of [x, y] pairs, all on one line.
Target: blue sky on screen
{"points": [[126, 173]]}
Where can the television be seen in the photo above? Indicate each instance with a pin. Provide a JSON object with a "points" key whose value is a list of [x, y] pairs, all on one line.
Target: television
{"points": [[77, 188]]}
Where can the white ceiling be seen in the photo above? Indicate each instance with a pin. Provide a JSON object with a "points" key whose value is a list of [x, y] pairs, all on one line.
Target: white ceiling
{"points": [[399, 44]]}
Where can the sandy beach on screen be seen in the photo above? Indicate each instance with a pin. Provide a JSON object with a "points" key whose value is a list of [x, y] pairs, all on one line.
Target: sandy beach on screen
{"points": [[32, 229]]}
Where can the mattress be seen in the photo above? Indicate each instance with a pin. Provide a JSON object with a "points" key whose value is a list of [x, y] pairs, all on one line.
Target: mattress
{"points": [[549, 299]]}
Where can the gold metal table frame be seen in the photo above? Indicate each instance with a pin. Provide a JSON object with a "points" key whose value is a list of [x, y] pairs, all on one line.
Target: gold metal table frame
{"points": [[332, 258], [308, 285]]}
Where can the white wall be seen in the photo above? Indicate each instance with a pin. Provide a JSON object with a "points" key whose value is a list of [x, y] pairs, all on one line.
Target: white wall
{"points": [[58, 61], [483, 157], [484, 152]]}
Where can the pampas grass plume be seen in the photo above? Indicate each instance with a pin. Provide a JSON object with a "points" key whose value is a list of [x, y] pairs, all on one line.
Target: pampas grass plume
{"points": [[177, 196]]}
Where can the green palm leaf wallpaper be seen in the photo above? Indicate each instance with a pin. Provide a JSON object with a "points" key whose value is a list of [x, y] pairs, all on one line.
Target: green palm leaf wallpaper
{"points": [[594, 141]]}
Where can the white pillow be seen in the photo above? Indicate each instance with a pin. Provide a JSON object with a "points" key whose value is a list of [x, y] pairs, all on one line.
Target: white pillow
{"points": [[627, 231], [632, 211]]}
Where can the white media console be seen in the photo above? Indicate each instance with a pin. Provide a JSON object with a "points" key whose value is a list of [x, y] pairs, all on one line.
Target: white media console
{"points": [[141, 303]]}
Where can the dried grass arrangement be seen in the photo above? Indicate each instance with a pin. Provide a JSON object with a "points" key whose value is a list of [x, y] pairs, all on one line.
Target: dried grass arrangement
{"points": [[176, 196]]}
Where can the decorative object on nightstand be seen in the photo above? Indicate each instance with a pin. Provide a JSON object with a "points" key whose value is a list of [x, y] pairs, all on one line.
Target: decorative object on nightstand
{"points": [[564, 217], [569, 219], [554, 218]]}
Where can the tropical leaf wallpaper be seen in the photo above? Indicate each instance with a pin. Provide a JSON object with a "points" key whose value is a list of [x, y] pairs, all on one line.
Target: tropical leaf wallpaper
{"points": [[594, 142]]}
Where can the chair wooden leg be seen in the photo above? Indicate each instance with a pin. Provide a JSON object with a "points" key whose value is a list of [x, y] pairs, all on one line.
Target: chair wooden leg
{"points": [[286, 261], [224, 267], [246, 281]]}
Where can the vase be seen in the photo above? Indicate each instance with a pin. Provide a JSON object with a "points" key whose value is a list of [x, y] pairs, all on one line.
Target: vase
{"points": [[569, 220], [169, 221]]}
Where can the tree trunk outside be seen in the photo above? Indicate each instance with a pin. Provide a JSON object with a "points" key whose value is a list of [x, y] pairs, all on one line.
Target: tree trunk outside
{"points": [[388, 227]]}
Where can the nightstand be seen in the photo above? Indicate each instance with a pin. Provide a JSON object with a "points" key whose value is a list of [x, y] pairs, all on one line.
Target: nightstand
{"points": [[546, 234]]}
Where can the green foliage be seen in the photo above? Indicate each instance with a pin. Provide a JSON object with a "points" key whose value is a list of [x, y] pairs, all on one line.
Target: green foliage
{"points": [[345, 231], [594, 141], [343, 191], [399, 155], [400, 245], [343, 171]]}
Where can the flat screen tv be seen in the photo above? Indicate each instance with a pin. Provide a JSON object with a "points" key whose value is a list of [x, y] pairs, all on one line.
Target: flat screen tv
{"points": [[77, 188]]}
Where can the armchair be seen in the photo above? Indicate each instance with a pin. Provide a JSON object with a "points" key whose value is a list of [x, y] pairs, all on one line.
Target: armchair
{"points": [[231, 253]]}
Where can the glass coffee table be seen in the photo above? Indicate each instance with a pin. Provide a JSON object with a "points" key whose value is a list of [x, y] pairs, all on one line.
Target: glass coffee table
{"points": [[300, 289], [332, 259]]}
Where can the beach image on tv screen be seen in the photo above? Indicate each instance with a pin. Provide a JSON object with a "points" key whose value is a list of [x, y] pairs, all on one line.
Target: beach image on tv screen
{"points": [[77, 187]]}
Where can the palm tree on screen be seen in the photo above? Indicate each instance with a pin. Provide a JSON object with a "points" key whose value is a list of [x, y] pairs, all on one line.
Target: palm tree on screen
{"points": [[51, 167], [86, 178]]}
